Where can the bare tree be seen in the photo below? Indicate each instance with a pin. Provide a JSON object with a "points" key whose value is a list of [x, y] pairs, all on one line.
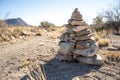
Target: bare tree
{"points": [[112, 17]]}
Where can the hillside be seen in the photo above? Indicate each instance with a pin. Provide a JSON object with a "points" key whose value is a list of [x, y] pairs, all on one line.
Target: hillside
{"points": [[16, 22]]}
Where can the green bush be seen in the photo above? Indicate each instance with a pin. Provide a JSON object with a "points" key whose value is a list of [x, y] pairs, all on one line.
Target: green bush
{"points": [[47, 25]]}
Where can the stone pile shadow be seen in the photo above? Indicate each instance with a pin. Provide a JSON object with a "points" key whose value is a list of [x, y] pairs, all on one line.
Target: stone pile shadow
{"points": [[59, 70]]}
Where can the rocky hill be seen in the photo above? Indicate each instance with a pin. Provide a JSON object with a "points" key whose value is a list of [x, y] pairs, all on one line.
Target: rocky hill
{"points": [[16, 22]]}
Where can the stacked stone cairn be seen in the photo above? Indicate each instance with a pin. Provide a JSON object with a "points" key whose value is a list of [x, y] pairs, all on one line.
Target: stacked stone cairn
{"points": [[78, 43]]}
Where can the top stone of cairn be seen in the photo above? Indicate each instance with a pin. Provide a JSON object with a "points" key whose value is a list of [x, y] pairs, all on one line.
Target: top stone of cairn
{"points": [[76, 15]]}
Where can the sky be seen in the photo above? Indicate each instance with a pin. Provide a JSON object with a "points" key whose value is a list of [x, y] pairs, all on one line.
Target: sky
{"points": [[55, 11]]}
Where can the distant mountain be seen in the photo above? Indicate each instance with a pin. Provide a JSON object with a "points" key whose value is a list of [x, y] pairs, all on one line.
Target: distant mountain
{"points": [[16, 22]]}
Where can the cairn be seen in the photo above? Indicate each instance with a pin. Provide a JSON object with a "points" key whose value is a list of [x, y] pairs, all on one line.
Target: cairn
{"points": [[78, 43]]}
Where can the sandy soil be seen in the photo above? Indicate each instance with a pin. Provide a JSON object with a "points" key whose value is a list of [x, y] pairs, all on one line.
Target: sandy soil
{"points": [[43, 49]]}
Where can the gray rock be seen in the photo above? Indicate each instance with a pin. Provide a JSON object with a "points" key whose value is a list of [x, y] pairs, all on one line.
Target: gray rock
{"points": [[66, 47], [90, 52], [62, 57], [95, 60], [64, 37], [69, 31]]}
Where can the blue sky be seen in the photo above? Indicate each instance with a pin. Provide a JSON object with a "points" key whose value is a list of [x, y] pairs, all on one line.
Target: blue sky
{"points": [[55, 11]]}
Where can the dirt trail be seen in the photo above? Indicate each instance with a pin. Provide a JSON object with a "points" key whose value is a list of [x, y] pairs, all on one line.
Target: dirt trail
{"points": [[12, 54], [43, 49]]}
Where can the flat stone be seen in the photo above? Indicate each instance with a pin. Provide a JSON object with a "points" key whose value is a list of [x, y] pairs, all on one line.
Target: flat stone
{"points": [[78, 23], [95, 60], [64, 37], [90, 52], [83, 45], [62, 57], [79, 28], [84, 37], [66, 47], [83, 32]]}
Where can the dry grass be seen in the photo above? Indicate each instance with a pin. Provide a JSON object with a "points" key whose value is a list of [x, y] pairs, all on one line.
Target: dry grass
{"points": [[103, 42], [17, 31], [54, 34], [96, 36], [99, 37], [113, 56], [57, 33]]}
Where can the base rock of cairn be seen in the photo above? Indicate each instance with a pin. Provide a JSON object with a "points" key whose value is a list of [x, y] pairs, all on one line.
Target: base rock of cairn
{"points": [[78, 43]]}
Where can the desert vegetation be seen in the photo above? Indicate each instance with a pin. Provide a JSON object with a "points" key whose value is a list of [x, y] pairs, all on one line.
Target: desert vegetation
{"points": [[108, 20], [8, 33]]}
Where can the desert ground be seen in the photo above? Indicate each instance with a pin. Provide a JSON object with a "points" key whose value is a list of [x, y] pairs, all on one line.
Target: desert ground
{"points": [[42, 50]]}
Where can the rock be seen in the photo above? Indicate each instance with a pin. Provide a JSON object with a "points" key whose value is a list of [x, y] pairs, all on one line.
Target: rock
{"points": [[95, 60], [76, 15], [64, 37], [79, 28], [66, 47], [62, 57], [72, 35], [69, 31], [83, 78], [41, 44], [78, 23], [83, 32], [92, 39], [69, 21], [83, 45], [90, 52], [24, 32], [84, 37]]}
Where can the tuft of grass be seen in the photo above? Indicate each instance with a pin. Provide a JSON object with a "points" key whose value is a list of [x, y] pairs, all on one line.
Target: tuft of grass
{"points": [[57, 33], [103, 42], [16, 32], [54, 35], [113, 56], [26, 62], [96, 36]]}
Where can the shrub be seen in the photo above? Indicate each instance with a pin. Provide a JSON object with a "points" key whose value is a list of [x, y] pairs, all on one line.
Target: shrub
{"points": [[103, 42], [5, 34], [113, 56], [48, 26], [16, 33]]}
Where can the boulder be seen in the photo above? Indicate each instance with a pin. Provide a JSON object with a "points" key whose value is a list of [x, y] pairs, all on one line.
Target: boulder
{"points": [[66, 47], [78, 23], [90, 52], [64, 37], [95, 60]]}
